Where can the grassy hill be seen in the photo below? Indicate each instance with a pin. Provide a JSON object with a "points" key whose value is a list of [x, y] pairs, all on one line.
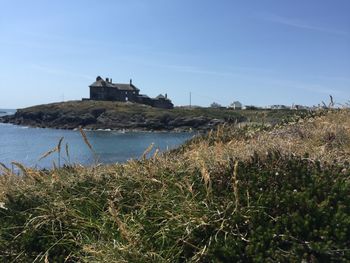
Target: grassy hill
{"points": [[251, 194], [133, 116]]}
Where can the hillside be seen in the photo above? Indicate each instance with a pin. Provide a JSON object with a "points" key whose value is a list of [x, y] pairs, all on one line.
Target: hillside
{"points": [[133, 116], [252, 194]]}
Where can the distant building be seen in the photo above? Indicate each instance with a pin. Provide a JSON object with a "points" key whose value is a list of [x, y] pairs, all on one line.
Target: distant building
{"points": [[107, 90], [236, 105], [161, 101]]}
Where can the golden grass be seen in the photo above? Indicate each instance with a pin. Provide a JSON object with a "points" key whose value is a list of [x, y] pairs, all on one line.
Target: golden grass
{"points": [[324, 138], [154, 209]]}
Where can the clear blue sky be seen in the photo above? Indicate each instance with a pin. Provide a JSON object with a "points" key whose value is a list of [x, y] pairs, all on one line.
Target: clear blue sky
{"points": [[259, 52]]}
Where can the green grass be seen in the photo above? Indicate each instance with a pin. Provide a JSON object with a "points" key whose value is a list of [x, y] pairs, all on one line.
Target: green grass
{"points": [[233, 195], [133, 109]]}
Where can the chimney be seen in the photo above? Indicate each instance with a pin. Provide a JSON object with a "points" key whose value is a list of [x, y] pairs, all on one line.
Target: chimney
{"points": [[130, 82], [166, 95], [107, 79], [111, 80]]}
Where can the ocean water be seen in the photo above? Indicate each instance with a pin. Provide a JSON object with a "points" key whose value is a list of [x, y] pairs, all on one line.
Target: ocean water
{"points": [[26, 145], [6, 112]]}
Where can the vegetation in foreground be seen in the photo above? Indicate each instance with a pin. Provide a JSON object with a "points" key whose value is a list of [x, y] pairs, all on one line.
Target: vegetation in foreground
{"points": [[248, 194]]}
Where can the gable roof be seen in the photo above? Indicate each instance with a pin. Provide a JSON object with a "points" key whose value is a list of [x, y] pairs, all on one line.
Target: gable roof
{"points": [[161, 97], [127, 87], [144, 96], [100, 83]]}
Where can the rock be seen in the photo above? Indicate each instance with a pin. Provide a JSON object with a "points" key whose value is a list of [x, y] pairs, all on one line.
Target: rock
{"points": [[109, 115], [97, 112]]}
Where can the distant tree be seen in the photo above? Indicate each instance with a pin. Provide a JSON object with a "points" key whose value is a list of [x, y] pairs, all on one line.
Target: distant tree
{"points": [[251, 107], [215, 105]]}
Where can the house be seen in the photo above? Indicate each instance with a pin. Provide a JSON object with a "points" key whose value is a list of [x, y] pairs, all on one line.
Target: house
{"points": [[162, 101], [236, 105], [107, 90]]}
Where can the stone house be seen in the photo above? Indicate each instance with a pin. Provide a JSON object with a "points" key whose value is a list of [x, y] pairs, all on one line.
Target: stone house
{"points": [[107, 90]]}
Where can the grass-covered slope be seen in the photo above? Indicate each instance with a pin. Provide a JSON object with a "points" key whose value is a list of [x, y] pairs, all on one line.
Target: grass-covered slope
{"points": [[253, 194], [134, 116]]}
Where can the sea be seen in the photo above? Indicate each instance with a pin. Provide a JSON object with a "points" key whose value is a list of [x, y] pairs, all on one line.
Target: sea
{"points": [[27, 145]]}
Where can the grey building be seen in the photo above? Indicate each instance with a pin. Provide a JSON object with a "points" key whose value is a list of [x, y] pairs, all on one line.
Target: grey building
{"points": [[107, 90]]}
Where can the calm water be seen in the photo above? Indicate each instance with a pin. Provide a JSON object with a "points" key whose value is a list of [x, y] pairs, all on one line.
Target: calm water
{"points": [[27, 145]]}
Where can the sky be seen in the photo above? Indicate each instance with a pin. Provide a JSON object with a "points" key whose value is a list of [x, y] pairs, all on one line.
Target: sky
{"points": [[259, 52]]}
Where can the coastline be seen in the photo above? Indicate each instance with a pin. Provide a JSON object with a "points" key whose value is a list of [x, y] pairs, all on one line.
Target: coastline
{"points": [[92, 115], [119, 130], [133, 117], [189, 130]]}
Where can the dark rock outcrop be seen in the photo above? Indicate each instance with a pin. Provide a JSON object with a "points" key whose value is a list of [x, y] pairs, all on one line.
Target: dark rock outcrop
{"points": [[72, 115]]}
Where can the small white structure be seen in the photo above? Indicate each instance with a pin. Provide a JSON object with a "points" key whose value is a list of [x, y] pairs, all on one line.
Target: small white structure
{"points": [[236, 105]]}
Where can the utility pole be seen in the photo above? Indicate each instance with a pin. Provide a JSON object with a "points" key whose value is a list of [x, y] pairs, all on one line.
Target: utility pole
{"points": [[190, 99]]}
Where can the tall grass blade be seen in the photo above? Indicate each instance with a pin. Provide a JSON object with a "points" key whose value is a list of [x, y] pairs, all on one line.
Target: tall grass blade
{"points": [[86, 141], [67, 152], [21, 167], [59, 144], [155, 155], [48, 153], [235, 185], [59, 151], [331, 103], [147, 151], [4, 167]]}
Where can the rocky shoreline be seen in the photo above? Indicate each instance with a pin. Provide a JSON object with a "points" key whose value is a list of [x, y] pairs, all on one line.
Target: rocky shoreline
{"points": [[73, 122], [102, 118]]}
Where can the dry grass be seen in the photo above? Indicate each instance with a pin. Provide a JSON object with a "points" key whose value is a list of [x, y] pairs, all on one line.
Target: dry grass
{"points": [[325, 138], [248, 194]]}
